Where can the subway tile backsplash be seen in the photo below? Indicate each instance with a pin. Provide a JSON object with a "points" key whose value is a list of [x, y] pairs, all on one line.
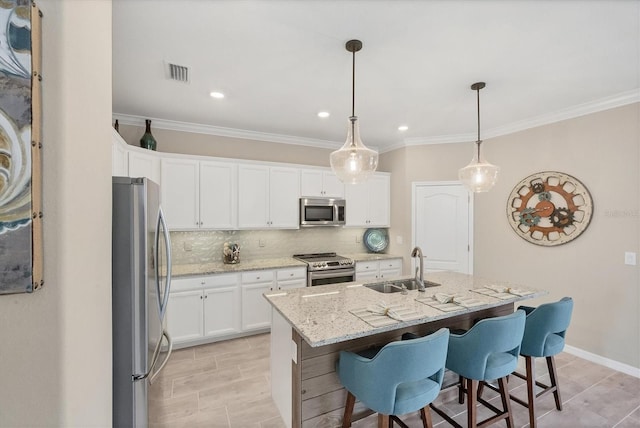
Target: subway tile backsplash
{"points": [[206, 246]]}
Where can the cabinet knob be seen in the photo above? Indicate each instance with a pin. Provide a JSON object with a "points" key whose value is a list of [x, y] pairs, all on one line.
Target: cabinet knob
{"points": [[201, 297], [202, 282], [206, 296], [290, 274]]}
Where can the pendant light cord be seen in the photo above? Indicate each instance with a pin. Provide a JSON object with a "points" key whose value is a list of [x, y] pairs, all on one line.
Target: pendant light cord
{"points": [[478, 142], [353, 85]]}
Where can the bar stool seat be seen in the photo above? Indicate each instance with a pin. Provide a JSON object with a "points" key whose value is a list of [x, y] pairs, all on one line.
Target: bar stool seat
{"points": [[487, 351], [403, 377], [544, 334]]}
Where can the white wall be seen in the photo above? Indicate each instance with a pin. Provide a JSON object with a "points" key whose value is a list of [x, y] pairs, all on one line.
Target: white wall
{"points": [[55, 352]]}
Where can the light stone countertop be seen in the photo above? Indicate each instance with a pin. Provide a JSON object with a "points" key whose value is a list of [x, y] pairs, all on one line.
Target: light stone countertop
{"points": [[219, 267], [367, 257], [321, 314], [272, 263]]}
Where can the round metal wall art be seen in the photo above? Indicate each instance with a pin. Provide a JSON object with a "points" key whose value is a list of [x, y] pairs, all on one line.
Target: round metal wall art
{"points": [[549, 208]]}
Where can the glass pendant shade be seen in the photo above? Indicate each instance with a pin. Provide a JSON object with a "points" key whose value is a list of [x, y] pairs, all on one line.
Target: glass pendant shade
{"points": [[354, 162], [479, 175]]}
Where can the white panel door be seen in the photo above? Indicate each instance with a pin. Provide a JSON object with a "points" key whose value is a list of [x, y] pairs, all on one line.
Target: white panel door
{"points": [[442, 226], [357, 208], [180, 193], [311, 183], [218, 195], [256, 310], [332, 185]]}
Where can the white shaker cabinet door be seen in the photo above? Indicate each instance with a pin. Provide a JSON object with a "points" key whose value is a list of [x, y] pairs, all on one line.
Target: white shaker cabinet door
{"points": [[333, 187], [222, 309], [379, 196], [184, 315], [218, 195], [357, 207], [311, 183], [284, 198], [144, 165], [180, 193], [256, 311], [253, 196]]}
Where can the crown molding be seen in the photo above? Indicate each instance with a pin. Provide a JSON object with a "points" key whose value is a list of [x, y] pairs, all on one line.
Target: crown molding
{"points": [[618, 100], [172, 125]]}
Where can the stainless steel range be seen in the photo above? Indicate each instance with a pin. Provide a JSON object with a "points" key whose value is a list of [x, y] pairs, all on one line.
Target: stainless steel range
{"points": [[327, 268]]}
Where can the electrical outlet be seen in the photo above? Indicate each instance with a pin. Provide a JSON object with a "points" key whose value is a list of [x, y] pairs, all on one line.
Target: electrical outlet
{"points": [[630, 258], [261, 243], [358, 238], [399, 240], [188, 246]]}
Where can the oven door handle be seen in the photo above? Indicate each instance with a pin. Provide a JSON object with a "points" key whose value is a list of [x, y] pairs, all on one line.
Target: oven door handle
{"points": [[332, 274]]}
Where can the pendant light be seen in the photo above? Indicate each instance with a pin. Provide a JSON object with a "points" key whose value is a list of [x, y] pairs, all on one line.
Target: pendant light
{"points": [[353, 162], [479, 175]]}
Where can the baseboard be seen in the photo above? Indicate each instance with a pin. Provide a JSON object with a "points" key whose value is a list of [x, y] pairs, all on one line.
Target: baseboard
{"points": [[612, 364]]}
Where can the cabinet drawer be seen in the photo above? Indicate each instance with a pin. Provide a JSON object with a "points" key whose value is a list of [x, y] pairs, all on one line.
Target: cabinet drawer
{"points": [[257, 276], [187, 283], [390, 264], [221, 280], [293, 273], [367, 267]]}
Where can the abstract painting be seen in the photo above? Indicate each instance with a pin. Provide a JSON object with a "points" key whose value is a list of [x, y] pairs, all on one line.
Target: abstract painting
{"points": [[20, 147]]}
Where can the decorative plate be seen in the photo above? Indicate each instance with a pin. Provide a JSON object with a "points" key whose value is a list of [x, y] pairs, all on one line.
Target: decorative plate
{"points": [[376, 240], [549, 208]]}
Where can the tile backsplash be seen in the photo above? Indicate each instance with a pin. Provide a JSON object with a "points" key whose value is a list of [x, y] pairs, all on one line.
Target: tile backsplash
{"points": [[206, 246]]}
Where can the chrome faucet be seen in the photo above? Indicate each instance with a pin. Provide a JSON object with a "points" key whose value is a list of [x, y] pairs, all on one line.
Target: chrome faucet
{"points": [[417, 252]]}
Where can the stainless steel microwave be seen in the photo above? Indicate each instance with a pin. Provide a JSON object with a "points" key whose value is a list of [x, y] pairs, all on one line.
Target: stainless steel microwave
{"points": [[322, 212]]}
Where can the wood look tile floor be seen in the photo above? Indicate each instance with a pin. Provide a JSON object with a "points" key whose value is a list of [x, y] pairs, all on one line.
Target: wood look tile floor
{"points": [[227, 385]]}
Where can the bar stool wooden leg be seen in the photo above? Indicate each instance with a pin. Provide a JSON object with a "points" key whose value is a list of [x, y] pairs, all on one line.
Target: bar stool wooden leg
{"points": [[384, 421], [506, 401], [472, 408], [461, 386], [425, 415], [551, 365], [531, 393], [348, 410]]}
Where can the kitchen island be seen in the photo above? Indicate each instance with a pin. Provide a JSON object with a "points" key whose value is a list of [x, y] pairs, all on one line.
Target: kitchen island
{"points": [[310, 326]]}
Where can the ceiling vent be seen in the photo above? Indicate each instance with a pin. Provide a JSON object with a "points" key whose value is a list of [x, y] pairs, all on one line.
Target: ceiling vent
{"points": [[179, 73]]}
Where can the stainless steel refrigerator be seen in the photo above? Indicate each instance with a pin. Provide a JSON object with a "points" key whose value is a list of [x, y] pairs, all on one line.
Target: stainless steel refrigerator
{"points": [[141, 275]]}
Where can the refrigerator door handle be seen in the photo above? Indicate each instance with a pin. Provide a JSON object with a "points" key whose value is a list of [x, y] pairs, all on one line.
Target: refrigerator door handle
{"points": [[155, 373], [162, 304]]}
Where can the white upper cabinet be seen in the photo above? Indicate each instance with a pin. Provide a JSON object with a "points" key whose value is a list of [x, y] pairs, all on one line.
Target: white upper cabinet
{"points": [[199, 194], [143, 164], [180, 193], [218, 195], [368, 203], [318, 183], [268, 197], [119, 158]]}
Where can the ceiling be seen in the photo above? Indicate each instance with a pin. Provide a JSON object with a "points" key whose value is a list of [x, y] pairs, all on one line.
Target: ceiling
{"points": [[280, 62]]}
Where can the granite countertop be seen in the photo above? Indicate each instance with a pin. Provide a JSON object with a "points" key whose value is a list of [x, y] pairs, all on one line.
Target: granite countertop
{"points": [[272, 263], [321, 315], [219, 267], [367, 257]]}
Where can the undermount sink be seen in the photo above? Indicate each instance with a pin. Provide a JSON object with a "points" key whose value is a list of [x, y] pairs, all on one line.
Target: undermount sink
{"points": [[398, 285]]}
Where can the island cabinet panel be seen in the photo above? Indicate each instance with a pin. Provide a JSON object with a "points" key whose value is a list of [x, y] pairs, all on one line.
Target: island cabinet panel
{"points": [[318, 397]]}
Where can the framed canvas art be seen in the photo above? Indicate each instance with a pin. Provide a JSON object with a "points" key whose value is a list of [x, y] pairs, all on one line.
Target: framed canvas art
{"points": [[20, 147]]}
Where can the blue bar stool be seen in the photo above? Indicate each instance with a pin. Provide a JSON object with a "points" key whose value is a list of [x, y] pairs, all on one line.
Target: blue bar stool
{"points": [[403, 377], [544, 333], [487, 351]]}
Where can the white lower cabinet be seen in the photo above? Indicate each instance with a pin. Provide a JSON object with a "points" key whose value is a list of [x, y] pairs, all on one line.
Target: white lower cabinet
{"points": [[378, 270], [256, 311], [203, 307]]}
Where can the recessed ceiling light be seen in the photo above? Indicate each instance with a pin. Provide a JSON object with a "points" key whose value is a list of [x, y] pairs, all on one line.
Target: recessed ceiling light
{"points": [[403, 128], [323, 114], [218, 95]]}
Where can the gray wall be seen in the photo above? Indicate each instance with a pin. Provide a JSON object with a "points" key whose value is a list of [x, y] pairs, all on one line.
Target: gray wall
{"points": [[55, 355], [601, 150]]}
